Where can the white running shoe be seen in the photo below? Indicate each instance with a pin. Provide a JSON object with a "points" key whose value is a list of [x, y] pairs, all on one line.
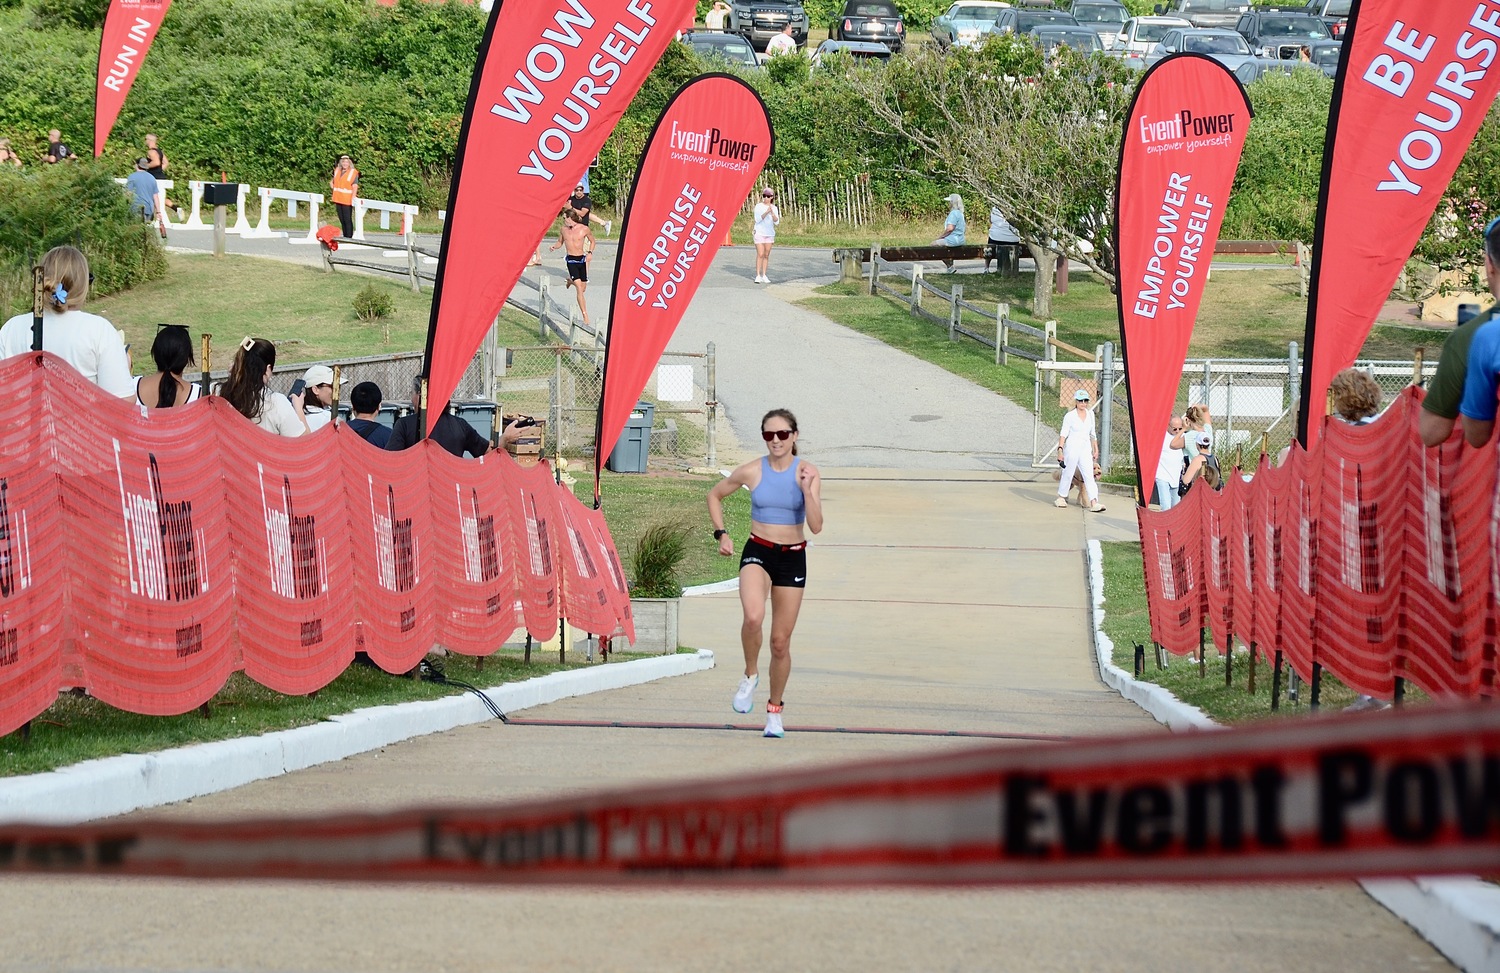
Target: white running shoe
{"points": [[773, 724], [744, 696]]}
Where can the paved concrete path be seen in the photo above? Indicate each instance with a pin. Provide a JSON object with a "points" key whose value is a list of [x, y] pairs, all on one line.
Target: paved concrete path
{"points": [[939, 598]]}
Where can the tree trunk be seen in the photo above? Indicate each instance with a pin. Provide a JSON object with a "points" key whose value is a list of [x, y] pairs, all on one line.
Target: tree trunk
{"points": [[1046, 272]]}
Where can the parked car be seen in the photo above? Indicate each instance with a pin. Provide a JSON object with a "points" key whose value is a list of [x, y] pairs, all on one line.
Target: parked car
{"points": [[872, 50], [1334, 13], [1324, 55], [870, 20], [1278, 34], [1014, 21], [760, 20], [965, 23], [1140, 35], [713, 45], [1103, 17], [1224, 46], [1080, 39], [1207, 13]]}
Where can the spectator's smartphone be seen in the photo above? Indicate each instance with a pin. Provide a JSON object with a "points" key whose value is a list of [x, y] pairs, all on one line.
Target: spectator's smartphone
{"points": [[297, 387]]}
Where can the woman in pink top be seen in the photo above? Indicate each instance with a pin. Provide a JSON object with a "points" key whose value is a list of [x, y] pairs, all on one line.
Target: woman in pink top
{"points": [[785, 498]]}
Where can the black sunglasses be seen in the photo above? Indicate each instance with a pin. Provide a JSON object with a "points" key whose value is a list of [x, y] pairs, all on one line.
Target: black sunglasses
{"points": [[781, 434]]}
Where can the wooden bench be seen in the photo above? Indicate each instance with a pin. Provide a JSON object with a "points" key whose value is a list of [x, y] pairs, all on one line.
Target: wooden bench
{"points": [[853, 259]]}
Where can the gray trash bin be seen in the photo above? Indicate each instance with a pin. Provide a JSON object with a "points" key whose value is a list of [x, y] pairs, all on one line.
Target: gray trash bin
{"points": [[634, 445]]}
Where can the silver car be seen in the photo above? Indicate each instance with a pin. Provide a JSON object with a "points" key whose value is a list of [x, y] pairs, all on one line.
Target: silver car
{"points": [[965, 23], [1225, 46]]}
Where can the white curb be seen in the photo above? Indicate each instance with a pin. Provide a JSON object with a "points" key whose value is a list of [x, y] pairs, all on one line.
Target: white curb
{"points": [[117, 785], [1459, 916]]}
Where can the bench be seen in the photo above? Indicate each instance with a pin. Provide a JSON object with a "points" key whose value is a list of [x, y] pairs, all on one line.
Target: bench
{"points": [[1007, 255]]}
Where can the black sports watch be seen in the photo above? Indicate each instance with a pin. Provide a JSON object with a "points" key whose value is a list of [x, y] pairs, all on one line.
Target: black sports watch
{"points": [[720, 532]]}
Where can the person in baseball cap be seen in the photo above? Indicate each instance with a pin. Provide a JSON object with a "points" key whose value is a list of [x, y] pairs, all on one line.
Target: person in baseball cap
{"points": [[319, 402]]}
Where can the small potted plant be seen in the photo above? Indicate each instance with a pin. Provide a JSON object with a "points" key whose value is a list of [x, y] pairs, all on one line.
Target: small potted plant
{"points": [[655, 592]]}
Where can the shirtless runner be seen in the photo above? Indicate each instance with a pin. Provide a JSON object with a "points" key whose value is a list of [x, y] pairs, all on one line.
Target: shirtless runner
{"points": [[579, 240]]}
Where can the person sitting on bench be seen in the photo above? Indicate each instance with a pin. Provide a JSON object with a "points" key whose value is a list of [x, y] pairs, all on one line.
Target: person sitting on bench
{"points": [[953, 229]]}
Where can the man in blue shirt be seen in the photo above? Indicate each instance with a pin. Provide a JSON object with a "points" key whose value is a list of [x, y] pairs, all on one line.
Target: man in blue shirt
{"points": [[1483, 364], [142, 187]]}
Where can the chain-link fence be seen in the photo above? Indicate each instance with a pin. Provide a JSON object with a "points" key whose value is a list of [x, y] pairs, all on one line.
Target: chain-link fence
{"points": [[558, 383], [563, 383], [1252, 402]]}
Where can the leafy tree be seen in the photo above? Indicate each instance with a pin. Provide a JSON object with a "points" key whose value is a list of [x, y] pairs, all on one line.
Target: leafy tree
{"points": [[77, 204], [1039, 138], [1275, 193]]}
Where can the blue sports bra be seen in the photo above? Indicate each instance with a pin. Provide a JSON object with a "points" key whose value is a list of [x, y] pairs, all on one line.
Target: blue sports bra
{"points": [[777, 499]]}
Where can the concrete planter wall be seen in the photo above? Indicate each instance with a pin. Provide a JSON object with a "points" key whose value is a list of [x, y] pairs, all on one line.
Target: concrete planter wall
{"points": [[655, 624]]}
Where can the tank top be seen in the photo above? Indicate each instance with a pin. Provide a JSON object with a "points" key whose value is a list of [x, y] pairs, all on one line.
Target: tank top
{"points": [[194, 390], [777, 499]]}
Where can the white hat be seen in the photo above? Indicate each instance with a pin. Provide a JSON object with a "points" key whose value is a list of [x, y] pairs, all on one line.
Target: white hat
{"points": [[318, 375], [953, 198], [1203, 439]]}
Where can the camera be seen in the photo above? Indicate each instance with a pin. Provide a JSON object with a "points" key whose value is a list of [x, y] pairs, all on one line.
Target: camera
{"points": [[522, 421]]}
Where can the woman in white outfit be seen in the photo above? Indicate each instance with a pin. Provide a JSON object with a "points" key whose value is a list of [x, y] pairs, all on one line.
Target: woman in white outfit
{"points": [[86, 341], [766, 218], [1078, 447]]}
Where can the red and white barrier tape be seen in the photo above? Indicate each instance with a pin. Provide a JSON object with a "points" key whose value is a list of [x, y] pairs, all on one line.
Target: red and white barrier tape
{"points": [[1404, 792]]}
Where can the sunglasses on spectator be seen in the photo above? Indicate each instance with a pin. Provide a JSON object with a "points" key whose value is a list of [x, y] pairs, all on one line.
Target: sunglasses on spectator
{"points": [[781, 434]]}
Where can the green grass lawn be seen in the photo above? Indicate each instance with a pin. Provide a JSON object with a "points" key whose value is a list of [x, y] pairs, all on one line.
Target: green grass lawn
{"points": [[309, 313], [79, 728]]}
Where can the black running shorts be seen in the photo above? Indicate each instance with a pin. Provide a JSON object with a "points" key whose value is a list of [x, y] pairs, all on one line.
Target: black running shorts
{"points": [[578, 267], [785, 563]]}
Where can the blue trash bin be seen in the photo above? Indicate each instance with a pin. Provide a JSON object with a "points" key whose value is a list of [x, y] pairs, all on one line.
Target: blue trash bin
{"points": [[634, 445]]}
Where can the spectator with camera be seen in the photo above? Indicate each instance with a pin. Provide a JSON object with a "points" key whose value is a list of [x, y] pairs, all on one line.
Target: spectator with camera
{"points": [[317, 402], [450, 432], [248, 390]]}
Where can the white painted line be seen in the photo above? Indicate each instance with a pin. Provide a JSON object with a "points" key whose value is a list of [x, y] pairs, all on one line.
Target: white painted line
{"points": [[117, 785]]}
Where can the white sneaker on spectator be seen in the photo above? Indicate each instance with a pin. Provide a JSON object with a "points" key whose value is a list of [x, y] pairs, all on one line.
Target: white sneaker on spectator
{"points": [[744, 696], [1060, 502]]}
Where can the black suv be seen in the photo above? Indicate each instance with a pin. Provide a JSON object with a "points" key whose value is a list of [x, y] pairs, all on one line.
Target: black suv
{"points": [[760, 20], [1013, 21], [870, 20], [1280, 34]]}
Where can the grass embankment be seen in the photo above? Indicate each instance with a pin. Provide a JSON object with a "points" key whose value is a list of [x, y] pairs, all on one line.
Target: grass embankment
{"points": [[310, 315], [1246, 314], [1127, 621]]}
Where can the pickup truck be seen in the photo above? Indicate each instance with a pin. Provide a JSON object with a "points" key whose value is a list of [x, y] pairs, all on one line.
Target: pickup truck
{"points": [[1206, 13], [1334, 13]]}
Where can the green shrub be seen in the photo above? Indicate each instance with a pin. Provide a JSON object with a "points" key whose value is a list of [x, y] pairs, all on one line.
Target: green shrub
{"points": [[80, 204], [372, 305], [658, 554]]}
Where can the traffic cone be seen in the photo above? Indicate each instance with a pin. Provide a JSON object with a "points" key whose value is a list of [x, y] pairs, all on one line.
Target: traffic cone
{"points": [[728, 235]]}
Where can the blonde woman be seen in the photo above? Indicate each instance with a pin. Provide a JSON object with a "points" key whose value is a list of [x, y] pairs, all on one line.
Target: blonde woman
{"points": [[86, 341], [8, 155]]}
